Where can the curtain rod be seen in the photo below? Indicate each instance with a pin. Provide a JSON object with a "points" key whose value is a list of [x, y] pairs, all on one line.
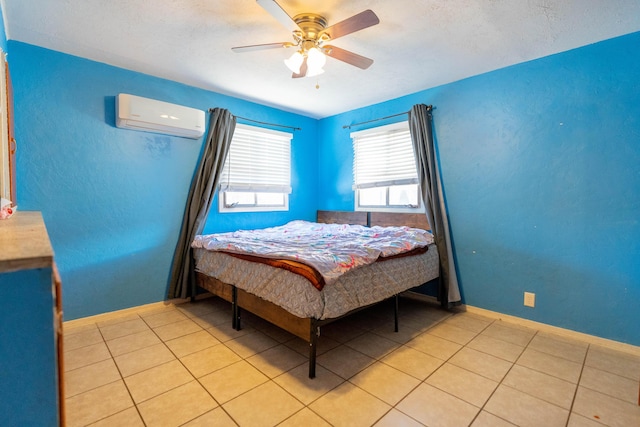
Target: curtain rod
{"points": [[262, 123], [429, 107]]}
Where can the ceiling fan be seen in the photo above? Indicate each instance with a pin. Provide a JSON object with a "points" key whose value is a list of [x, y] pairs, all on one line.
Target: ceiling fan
{"points": [[310, 34]]}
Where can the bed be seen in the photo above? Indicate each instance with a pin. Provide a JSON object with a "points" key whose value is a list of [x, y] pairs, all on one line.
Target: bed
{"points": [[301, 304]]}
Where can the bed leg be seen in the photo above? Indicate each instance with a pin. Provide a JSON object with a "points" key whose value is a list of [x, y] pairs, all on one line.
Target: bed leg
{"points": [[235, 310], [395, 313], [313, 347]]}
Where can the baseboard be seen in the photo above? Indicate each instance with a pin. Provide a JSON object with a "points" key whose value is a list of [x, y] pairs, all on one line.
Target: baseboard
{"points": [[119, 313], [567, 333]]}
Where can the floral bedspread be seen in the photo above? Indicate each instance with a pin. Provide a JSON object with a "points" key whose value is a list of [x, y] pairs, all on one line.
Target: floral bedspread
{"points": [[332, 249]]}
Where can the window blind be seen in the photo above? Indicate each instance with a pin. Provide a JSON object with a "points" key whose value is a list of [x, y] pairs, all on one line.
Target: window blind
{"points": [[259, 161], [383, 156]]}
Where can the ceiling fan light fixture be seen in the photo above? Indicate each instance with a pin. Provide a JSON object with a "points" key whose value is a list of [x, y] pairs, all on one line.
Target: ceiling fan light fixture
{"points": [[315, 61], [294, 62]]}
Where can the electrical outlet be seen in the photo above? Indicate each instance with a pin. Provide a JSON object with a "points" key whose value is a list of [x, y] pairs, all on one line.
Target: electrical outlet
{"points": [[529, 299]]}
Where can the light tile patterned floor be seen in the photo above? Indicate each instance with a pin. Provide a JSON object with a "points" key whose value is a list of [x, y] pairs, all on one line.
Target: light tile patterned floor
{"points": [[185, 366]]}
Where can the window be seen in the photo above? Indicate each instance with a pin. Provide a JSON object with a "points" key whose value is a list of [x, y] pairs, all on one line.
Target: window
{"points": [[257, 173], [384, 170]]}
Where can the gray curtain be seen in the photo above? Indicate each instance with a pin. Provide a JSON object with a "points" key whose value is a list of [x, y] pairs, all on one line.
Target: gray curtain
{"points": [[222, 124], [420, 125]]}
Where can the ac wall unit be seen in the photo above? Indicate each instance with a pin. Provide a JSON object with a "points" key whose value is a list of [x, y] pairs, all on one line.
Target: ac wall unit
{"points": [[149, 115]]}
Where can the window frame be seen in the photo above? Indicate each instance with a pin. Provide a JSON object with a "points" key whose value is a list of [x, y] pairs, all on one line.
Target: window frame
{"points": [[389, 131], [225, 208], [227, 186]]}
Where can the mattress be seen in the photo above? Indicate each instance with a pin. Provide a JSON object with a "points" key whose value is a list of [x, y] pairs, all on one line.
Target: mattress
{"points": [[330, 250], [357, 288]]}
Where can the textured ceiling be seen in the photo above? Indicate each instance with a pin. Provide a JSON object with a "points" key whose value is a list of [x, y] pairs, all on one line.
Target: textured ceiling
{"points": [[418, 44]]}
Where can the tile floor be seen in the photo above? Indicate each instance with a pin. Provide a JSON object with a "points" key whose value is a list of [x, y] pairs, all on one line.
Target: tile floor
{"points": [[184, 366]]}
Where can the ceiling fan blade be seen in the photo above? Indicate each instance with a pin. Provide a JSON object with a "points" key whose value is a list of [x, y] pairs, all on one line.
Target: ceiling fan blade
{"points": [[348, 57], [303, 70], [279, 14], [350, 25], [254, 47]]}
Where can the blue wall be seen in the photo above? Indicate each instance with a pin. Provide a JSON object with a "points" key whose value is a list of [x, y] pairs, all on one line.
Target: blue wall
{"points": [[540, 164], [113, 199]]}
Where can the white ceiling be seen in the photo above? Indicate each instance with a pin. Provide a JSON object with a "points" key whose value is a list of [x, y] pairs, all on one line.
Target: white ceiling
{"points": [[418, 44]]}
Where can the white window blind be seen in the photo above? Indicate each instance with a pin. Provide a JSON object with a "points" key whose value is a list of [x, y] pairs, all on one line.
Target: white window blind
{"points": [[383, 156], [259, 161]]}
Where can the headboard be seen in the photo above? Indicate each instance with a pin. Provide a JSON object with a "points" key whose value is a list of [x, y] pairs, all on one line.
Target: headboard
{"points": [[383, 219], [342, 217]]}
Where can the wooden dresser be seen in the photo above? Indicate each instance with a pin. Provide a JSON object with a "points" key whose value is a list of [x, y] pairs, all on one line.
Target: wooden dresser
{"points": [[31, 382]]}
